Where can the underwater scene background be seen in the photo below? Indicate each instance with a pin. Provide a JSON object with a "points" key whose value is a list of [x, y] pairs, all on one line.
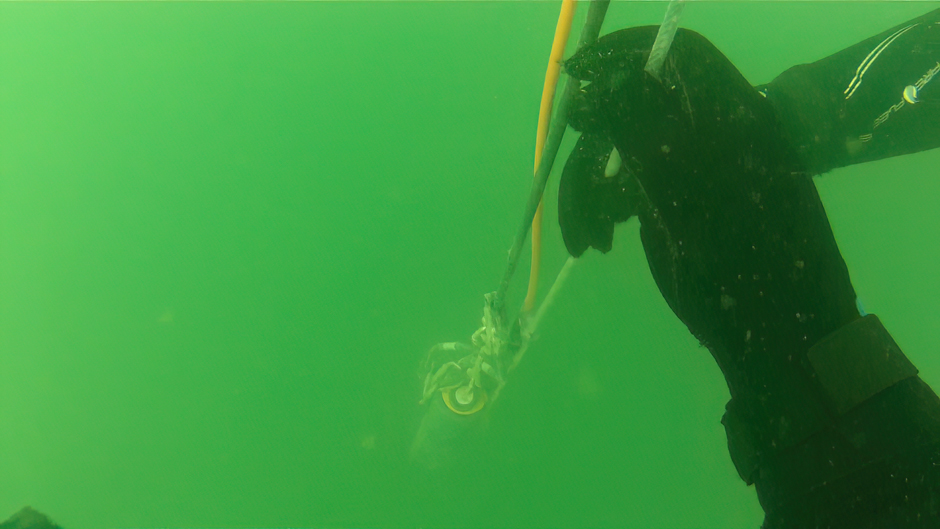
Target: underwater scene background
{"points": [[230, 231]]}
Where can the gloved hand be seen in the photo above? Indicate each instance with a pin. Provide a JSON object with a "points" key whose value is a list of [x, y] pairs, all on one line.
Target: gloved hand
{"points": [[734, 231]]}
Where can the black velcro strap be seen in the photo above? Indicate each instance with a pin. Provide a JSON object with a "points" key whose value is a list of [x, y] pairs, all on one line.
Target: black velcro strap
{"points": [[857, 361]]}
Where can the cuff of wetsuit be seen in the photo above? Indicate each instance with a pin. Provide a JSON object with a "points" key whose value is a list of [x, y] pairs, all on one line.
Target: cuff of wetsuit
{"points": [[856, 362], [850, 366]]}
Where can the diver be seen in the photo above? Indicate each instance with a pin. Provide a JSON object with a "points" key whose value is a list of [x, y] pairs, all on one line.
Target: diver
{"points": [[827, 418]]}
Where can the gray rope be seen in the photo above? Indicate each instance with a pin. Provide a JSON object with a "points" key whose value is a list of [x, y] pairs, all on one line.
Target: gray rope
{"points": [[667, 31], [589, 33]]}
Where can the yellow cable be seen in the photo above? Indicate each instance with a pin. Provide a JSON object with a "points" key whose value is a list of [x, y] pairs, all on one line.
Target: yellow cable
{"points": [[562, 30]]}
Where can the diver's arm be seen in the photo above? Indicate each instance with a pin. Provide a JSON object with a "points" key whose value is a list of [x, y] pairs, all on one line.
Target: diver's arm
{"points": [[876, 99], [827, 418]]}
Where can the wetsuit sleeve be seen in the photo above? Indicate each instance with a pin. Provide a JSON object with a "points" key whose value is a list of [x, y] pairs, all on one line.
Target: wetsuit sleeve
{"points": [[876, 99]]}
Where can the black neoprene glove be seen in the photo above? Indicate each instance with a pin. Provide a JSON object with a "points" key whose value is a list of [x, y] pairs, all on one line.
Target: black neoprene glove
{"points": [[733, 229]]}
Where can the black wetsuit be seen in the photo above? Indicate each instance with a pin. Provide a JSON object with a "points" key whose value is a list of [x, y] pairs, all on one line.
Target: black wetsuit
{"points": [[828, 418]]}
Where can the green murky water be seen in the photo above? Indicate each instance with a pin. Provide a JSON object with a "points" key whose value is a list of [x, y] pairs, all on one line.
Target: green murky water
{"points": [[229, 231]]}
